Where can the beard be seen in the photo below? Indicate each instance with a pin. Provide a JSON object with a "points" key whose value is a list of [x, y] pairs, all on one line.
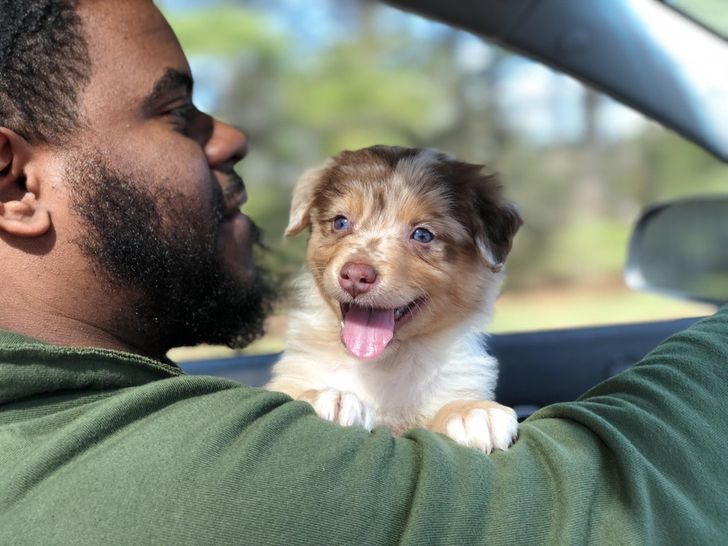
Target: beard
{"points": [[163, 250]]}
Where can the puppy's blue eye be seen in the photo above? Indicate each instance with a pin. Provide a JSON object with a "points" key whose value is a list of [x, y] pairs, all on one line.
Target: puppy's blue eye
{"points": [[422, 235], [341, 223]]}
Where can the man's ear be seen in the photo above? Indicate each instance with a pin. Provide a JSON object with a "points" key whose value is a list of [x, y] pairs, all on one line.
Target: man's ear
{"points": [[303, 196], [21, 214]]}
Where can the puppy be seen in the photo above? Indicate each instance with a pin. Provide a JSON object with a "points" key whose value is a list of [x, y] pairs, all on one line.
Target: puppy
{"points": [[405, 259]]}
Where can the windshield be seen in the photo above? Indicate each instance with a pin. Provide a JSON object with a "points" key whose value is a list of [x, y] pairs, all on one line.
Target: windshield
{"points": [[711, 13], [306, 82]]}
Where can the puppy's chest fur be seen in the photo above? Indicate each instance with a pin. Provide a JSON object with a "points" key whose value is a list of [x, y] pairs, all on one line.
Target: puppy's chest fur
{"points": [[405, 260], [406, 387]]}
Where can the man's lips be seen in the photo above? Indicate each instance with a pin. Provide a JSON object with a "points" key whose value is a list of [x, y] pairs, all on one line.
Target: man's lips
{"points": [[255, 234]]}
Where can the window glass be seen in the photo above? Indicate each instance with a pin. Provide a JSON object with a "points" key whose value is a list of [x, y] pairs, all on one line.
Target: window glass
{"points": [[306, 80], [711, 13]]}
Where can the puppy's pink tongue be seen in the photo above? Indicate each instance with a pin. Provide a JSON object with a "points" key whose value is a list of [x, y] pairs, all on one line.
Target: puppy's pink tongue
{"points": [[367, 332]]}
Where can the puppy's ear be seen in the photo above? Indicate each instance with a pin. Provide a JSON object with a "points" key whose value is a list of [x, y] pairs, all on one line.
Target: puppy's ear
{"points": [[499, 220], [303, 196]]}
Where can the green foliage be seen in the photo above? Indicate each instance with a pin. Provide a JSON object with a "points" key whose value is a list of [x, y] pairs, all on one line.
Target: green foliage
{"points": [[588, 248], [222, 31], [351, 100], [712, 13], [300, 102]]}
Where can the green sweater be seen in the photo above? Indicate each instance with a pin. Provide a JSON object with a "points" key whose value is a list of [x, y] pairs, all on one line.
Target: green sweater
{"points": [[100, 447]]}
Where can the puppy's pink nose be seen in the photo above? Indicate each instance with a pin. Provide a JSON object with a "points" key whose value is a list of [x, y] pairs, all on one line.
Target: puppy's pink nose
{"points": [[357, 278]]}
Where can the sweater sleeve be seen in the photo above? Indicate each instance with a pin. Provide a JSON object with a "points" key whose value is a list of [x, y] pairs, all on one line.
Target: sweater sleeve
{"points": [[637, 460], [192, 460]]}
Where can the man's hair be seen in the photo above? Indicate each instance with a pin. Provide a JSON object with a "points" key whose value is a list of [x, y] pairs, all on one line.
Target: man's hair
{"points": [[44, 65]]}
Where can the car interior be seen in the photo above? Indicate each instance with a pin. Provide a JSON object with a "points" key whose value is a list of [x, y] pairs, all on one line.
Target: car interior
{"points": [[623, 48]]}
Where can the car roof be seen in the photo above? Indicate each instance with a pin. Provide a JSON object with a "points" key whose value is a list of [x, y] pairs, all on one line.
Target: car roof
{"points": [[641, 52]]}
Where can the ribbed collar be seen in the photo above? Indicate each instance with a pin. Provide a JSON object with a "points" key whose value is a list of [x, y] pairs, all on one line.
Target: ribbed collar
{"points": [[29, 367]]}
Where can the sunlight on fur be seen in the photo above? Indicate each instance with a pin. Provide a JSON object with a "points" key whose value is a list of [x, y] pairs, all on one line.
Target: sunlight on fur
{"points": [[404, 262]]}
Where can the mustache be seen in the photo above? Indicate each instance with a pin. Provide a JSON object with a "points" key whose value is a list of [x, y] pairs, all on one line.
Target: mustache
{"points": [[258, 236], [235, 186], [222, 195]]}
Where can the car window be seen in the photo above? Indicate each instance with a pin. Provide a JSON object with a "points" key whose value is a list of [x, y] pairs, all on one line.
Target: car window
{"points": [[711, 13], [306, 81]]}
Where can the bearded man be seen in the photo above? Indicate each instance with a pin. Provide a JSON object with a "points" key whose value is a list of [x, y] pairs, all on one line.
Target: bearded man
{"points": [[121, 236]]}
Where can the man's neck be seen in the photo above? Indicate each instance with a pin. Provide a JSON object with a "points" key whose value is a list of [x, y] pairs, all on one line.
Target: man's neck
{"points": [[34, 318]]}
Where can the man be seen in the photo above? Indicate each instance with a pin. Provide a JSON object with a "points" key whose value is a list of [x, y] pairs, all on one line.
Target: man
{"points": [[113, 178], [120, 237]]}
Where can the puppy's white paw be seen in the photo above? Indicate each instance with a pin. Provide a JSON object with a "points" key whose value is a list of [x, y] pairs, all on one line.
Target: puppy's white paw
{"points": [[344, 408], [481, 424]]}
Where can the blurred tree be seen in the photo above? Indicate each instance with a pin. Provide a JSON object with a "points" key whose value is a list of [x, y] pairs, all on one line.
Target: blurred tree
{"points": [[307, 82]]}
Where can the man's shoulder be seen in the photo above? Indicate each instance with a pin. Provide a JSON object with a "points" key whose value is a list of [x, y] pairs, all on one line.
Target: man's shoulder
{"points": [[171, 450]]}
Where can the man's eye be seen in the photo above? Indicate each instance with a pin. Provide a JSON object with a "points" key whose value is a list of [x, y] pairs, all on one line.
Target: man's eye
{"points": [[422, 235], [181, 115], [341, 223]]}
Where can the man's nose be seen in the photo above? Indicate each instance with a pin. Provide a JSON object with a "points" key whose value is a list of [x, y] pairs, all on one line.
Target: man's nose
{"points": [[227, 145]]}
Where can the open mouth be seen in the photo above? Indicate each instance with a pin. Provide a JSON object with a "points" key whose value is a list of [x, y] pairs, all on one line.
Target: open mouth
{"points": [[366, 331]]}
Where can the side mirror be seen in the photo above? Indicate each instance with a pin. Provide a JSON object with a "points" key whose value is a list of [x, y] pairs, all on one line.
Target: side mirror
{"points": [[680, 248]]}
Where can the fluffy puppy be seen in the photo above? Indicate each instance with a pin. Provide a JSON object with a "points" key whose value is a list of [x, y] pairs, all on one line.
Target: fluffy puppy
{"points": [[405, 259]]}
